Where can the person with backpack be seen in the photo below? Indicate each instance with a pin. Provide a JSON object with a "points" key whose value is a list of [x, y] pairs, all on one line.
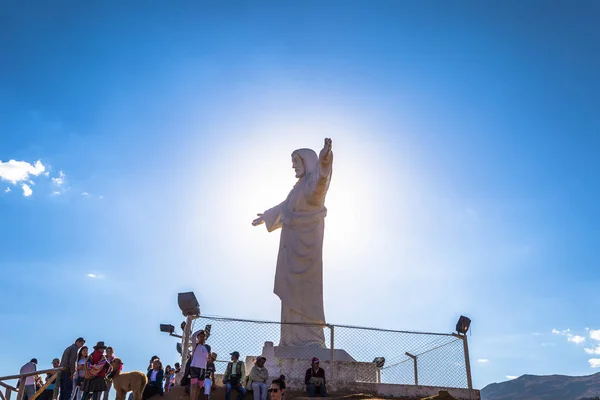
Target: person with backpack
{"points": [[200, 356]]}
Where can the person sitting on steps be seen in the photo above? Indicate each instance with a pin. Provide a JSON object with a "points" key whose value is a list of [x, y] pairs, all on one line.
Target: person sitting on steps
{"points": [[234, 377], [315, 380], [258, 378]]}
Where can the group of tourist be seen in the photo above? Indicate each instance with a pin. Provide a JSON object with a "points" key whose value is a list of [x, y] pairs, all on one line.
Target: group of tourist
{"points": [[86, 374], [200, 371]]}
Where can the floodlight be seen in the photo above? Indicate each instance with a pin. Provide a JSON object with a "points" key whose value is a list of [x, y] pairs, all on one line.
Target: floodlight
{"points": [[188, 304], [167, 328], [463, 324]]}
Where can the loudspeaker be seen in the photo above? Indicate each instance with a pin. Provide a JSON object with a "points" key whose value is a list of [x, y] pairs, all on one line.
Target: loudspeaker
{"points": [[188, 304]]}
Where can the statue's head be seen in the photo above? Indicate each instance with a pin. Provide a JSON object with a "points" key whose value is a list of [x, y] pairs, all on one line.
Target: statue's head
{"points": [[304, 161]]}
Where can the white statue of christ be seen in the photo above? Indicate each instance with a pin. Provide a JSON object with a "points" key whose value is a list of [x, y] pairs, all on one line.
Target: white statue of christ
{"points": [[299, 272]]}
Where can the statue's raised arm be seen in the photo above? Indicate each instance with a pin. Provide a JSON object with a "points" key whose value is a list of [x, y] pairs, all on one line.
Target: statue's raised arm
{"points": [[321, 184], [324, 156]]}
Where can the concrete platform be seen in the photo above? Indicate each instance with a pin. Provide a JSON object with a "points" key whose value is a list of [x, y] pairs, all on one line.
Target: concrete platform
{"points": [[351, 391]]}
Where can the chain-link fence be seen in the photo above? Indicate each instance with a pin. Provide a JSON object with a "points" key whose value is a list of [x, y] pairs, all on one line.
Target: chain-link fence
{"points": [[359, 354]]}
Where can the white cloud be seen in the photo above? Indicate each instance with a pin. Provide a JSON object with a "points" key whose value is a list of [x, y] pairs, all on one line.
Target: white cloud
{"points": [[570, 337], [594, 362], [511, 377], [536, 334], [26, 190], [483, 360], [85, 194], [593, 351], [595, 334], [18, 171], [55, 193], [548, 344], [93, 276], [7, 190], [60, 180], [576, 339]]}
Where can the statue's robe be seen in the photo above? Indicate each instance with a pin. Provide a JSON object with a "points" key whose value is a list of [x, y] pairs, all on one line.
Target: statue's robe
{"points": [[299, 273]]}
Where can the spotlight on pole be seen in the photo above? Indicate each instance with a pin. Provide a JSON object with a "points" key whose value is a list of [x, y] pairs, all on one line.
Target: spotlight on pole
{"points": [[167, 328], [178, 347], [170, 329], [188, 304], [463, 324]]}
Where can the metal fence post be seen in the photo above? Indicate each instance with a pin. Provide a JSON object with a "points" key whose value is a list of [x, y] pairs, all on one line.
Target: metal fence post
{"points": [[415, 367], [467, 361], [332, 339]]}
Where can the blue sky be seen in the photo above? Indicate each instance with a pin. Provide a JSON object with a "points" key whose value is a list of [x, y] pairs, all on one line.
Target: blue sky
{"points": [[466, 177]]}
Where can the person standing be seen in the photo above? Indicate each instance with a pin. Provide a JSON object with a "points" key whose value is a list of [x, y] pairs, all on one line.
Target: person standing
{"points": [[258, 377], [69, 361], [95, 382], [31, 366], [82, 357], [200, 357], [210, 375], [234, 377], [110, 356]]}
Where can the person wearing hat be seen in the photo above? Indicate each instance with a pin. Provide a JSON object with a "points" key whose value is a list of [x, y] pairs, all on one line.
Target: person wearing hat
{"points": [[258, 378], [98, 367], [234, 377], [315, 379], [29, 367], [210, 375]]}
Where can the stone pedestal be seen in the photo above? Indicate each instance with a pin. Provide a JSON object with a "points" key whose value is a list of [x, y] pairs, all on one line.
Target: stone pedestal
{"points": [[294, 361]]}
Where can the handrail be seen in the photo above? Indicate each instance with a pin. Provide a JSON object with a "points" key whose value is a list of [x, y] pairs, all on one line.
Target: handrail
{"points": [[41, 390], [45, 371], [4, 385]]}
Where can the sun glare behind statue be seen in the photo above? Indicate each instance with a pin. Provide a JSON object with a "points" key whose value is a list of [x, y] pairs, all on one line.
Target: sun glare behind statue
{"points": [[262, 176]]}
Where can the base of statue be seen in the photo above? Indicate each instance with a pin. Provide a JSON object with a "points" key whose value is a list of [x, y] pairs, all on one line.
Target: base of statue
{"points": [[307, 353], [293, 362]]}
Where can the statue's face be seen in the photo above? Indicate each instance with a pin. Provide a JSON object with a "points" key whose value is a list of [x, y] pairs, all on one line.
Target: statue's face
{"points": [[298, 165]]}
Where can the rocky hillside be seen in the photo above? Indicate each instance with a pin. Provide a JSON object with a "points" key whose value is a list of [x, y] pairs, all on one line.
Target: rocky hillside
{"points": [[550, 387]]}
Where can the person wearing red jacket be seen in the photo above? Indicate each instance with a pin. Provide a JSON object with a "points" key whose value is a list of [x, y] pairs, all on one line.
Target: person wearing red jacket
{"points": [[97, 367]]}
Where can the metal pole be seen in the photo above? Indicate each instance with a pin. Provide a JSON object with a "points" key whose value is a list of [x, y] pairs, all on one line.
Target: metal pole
{"points": [[467, 362], [185, 341], [415, 367], [332, 339]]}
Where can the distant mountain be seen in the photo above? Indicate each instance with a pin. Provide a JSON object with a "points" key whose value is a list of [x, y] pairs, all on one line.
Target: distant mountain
{"points": [[550, 387]]}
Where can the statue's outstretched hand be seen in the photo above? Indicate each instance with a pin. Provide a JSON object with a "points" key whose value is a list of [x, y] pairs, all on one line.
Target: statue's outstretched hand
{"points": [[258, 220], [326, 148]]}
